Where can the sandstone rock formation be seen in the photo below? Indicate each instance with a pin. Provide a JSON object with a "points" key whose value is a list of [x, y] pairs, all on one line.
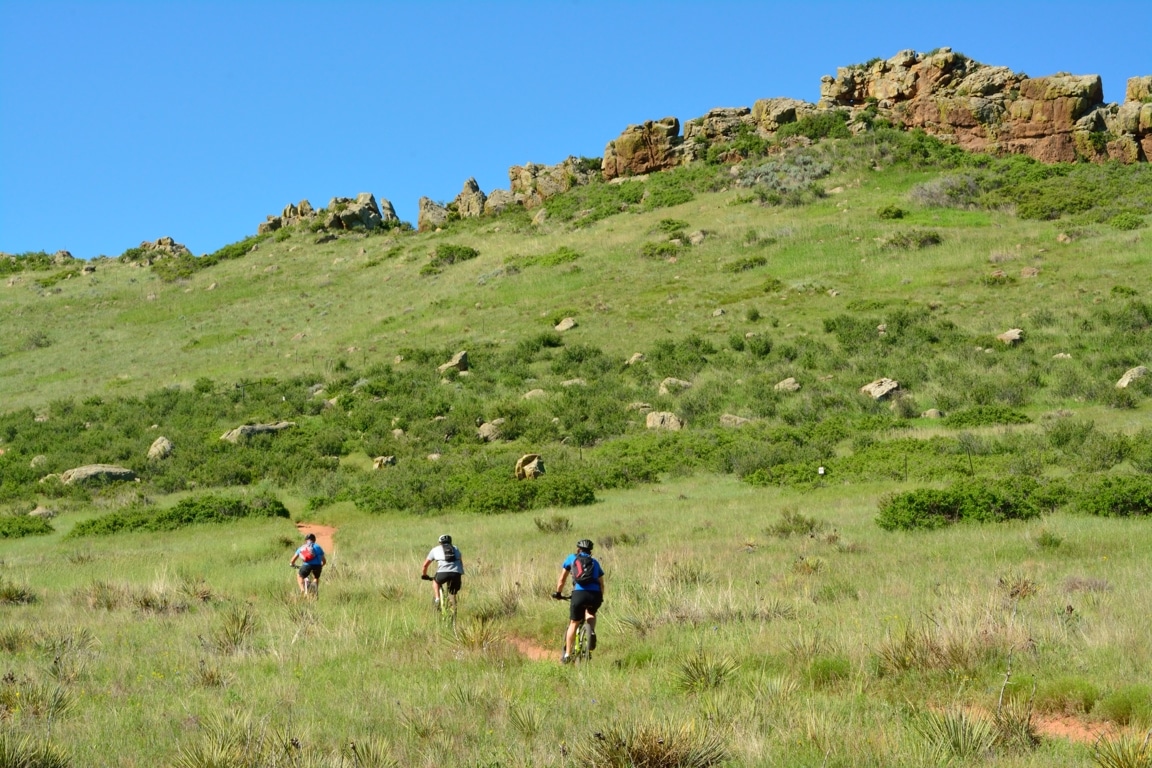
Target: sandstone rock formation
{"points": [[566, 324], [731, 420], [469, 204], [1011, 337], [383, 461], [532, 184], [149, 251], [672, 385], [489, 431], [787, 385], [96, 472], [246, 431], [431, 215], [342, 213], [529, 467], [1131, 375], [650, 146]]}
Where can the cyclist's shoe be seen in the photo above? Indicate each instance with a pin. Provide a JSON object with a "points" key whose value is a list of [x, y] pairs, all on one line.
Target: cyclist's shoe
{"points": [[565, 658], [591, 641]]}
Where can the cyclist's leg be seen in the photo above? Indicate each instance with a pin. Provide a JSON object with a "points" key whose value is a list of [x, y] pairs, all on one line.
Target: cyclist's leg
{"points": [[570, 637], [300, 580]]}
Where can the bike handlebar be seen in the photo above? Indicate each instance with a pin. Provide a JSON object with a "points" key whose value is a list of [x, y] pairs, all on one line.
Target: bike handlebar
{"points": [[558, 596], [425, 577]]}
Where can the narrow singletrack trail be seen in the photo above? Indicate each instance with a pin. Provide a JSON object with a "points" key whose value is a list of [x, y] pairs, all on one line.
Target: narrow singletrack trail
{"points": [[531, 650], [325, 536]]}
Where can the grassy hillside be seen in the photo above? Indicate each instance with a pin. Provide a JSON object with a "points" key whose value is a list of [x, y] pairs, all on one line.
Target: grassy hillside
{"points": [[760, 612]]}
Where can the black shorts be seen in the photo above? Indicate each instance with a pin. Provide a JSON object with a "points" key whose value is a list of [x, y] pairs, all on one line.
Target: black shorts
{"points": [[451, 580], [310, 568], [585, 601]]}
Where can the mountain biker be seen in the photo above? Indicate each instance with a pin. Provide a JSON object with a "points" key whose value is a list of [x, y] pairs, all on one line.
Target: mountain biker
{"points": [[587, 593], [312, 561], [449, 569]]}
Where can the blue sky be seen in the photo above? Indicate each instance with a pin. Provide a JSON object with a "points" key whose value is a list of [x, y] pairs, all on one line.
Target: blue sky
{"points": [[129, 121]]}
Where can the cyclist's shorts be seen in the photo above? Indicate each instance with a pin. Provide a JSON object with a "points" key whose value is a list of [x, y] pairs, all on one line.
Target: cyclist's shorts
{"points": [[311, 568], [451, 580], [585, 600]]}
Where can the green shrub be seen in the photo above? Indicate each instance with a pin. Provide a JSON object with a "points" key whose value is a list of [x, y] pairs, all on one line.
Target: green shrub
{"points": [[1116, 496], [832, 124], [19, 526], [974, 500], [447, 254], [660, 250], [984, 416], [1128, 705], [829, 669], [562, 255], [1067, 696], [913, 239], [745, 264], [191, 511], [891, 212], [1126, 221], [185, 265]]}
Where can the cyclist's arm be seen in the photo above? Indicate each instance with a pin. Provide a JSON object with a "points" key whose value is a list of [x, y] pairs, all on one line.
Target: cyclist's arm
{"points": [[563, 578], [295, 555], [424, 570], [600, 581]]}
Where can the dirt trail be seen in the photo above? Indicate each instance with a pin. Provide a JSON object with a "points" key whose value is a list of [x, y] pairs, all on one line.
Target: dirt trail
{"points": [[1072, 728], [531, 650], [324, 536]]}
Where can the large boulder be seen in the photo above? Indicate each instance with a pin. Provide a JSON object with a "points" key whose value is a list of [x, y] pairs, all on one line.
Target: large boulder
{"points": [[383, 461], [663, 420], [672, 385], [346, 213], [529, 467], [161, 449], [1131, 375], [458, 362], [107, 473], [490, 431], [151, 251], [880, 389], [245, 431], [651, 146], [768, 115]]}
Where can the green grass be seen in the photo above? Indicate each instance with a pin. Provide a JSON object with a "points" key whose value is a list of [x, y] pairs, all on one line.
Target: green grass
{"points": [[757, 611]]}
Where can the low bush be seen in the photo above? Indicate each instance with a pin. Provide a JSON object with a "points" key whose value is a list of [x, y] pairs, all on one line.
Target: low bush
{"points": [[832, 124], [19, 526], [562, 255], [660, 250], [745, 264], [1127, 221], [1066, 696], [447, 254], [913, 239], [889, 212], [190, 511], [985, 416], [1128, 705], [974, 500], [1116, 496]]}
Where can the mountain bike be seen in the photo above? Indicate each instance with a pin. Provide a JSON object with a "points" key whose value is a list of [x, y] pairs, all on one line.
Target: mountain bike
{"points": [[447, 605], [311, 585], [582, 643]]}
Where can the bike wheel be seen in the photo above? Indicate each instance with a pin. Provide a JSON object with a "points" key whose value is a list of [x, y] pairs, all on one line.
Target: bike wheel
{"points": [[581, 650]]}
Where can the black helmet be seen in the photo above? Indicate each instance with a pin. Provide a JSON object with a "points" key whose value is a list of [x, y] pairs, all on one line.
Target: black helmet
{"points": [[584, 544], [445, 539]]}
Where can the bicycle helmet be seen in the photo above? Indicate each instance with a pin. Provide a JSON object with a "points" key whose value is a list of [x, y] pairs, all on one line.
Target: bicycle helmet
{"points": [[584, 544], [445, 539]]}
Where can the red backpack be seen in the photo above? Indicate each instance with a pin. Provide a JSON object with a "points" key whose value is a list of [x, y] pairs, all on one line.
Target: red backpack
{"points": [[308, 553]]}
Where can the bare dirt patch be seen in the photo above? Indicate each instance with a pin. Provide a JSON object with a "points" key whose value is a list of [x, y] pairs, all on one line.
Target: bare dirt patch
{"points": [[532, 650], [325, 535], [1072, 728]]}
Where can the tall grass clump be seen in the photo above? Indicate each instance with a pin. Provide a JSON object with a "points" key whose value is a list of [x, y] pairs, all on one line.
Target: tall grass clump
{"points": [[653, 745], [26, 752]]}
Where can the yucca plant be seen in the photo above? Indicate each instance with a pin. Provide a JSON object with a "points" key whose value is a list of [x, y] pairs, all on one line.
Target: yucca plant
{"points": [[26, 753], [653, 745], [476, 635], [368, 754], [702, 672], [956, 733], [235, 630], [1123, 752], [525, 719]]}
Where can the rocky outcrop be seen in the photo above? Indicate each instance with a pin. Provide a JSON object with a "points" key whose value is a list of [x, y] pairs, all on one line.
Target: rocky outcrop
{"points": [[1131, 375], [246, 431], [654, 145], [383, 461], [431, 215], [342, 213], [105, 473], [663, 420], [1059, 118], [146, 253], [458, 362], [490, 431], [532, 184], [469, 204], [880, 389]]}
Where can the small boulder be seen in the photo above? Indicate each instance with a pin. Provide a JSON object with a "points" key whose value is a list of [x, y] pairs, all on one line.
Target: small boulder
{"points": [[1061, 356], [663, 420], [433, 457], [383, 461], [246, 431], [566, 324], [697, 237], [1131, 375], [718, 313], [932, 413], [96, 472], [529, 467], [880, 389], [161, 449], [788, 385], [397, 434], [44, 513], [574, 383], [459, 361], [637, 357], [490, 431], [672, 384], [638, 406], [1011, 337], [38, 461], [729, 420], [532, 394]]}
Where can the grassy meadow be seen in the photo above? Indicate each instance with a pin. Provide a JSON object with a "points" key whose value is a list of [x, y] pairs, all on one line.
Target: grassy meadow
{"points": [[826, 580]]}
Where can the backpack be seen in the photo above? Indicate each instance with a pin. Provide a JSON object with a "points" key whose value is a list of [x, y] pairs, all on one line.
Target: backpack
{"points": [[449, 553], [308, 553], [583, 570]]}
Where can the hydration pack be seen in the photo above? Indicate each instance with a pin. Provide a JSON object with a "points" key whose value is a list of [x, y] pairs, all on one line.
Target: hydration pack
{"points": [[582, 570], [308, 553]]}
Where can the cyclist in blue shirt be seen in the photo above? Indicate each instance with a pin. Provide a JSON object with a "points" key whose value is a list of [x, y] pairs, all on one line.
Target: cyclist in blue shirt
{"points": [[312, 561], [587, 593]]}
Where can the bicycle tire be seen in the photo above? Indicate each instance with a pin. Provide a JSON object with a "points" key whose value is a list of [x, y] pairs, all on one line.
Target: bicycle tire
{"points": [[581, 650]]}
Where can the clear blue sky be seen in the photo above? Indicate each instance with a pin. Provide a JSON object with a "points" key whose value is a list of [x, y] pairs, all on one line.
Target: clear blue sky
{"points": [[128, 121]]}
